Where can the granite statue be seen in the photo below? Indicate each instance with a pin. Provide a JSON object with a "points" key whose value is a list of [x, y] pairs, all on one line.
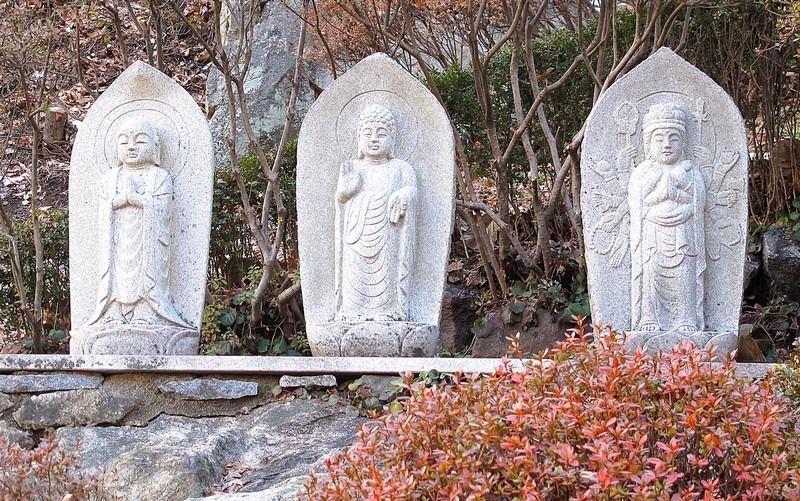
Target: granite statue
{"points": [[140, 199], [376, 218], [664, 199], [375, 202]]}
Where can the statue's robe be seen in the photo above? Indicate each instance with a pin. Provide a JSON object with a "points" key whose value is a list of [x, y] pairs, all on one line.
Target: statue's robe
{"points": [[667, 212], [134, 245], [374, 255]]}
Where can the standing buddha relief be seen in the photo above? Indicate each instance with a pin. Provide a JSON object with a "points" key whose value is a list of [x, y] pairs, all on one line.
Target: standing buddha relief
{"points": [[664, 202], [375, 218], [375, 209]]}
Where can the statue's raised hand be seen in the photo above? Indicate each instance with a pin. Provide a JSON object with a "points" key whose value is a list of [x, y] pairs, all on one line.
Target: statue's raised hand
{"points": [[349, 181]]}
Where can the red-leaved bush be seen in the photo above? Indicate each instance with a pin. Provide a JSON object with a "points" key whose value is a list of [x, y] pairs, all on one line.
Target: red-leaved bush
{"points": [[45, 473], [585, 421]]}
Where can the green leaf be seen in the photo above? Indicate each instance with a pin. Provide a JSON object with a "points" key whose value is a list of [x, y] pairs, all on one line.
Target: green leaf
{"points": [[227, 317], [518, 289], [280, 346], [479, 327], [796, 203], [794, 216], [57, 334], [355, 385], [517, 307], [505, 315], [263, 345]]}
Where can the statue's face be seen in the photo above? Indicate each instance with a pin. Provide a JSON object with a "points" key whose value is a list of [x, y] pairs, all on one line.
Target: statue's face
{"points": [[666, 145], [375, 141], [136, 148]]}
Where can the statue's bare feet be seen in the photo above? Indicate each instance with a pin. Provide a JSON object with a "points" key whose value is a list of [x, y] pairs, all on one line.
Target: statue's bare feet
{"points": [[686, 328], [649, 327]]}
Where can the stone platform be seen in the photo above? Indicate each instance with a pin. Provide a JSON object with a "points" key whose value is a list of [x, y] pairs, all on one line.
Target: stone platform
{"points": [[340, 366]]}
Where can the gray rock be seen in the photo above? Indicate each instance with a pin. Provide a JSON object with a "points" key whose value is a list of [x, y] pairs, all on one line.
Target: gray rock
{"points": [[151, 401], [283, 491], [5, 402], [382, 387], [41, 383], [393, 202], [178, 458], [138, 365], [72, 408], [458, 316], [308, 382], [638, 194], [751, 266], [268, 83], [16, 436], [209, 389], [538, 331], [781, 254]]}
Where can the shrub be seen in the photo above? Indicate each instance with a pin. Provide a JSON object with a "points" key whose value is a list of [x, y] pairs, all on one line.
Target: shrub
{"points": [[45, 473], [585, 421]]}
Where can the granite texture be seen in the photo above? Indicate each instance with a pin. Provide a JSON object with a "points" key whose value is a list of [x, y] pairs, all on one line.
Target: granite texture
{"points": [[172, 191], [72, 408], [321, 382], [341, 198], [269, 80], [781, 253], [41, 383], [209, 389], [175, 457], [244, 365], [5, 402], [666, 224]]}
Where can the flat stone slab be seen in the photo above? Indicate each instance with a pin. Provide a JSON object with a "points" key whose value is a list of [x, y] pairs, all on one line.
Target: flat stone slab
{"points": [[112, 364], [209, 389], [243, 365], [309, 382], [5, 402], [72, 408], [35, 383]]}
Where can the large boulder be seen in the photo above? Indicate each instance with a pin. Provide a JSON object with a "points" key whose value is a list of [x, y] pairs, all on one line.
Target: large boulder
{"points": [[269, 80], [175, 457], [781, 254]]}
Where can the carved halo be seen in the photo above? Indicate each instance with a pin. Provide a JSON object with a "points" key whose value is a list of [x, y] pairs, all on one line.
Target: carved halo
{"points": [[404, 115], [169, 122]]}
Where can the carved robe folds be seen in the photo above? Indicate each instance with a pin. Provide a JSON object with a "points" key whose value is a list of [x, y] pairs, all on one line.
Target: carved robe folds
{"points": [[668, 246], [374, 253], [134, 244], [375, 207]]}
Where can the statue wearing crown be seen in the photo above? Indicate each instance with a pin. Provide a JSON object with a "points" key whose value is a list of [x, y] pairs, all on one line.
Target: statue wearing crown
{"points": [[667, 198]]}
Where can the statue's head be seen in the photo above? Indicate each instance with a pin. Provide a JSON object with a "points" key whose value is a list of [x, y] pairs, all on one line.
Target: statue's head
{"points": [[664, 133], [376, 133], [137, 143]]}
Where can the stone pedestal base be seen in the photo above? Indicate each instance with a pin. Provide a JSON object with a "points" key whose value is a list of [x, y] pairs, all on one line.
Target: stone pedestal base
{"points": [[133, 340], [373, 339], [652, 342]]}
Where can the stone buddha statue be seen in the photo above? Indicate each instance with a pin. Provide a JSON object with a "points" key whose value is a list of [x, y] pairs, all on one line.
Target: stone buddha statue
{"points": [[375, 223], [134, 230], [667, 200]]}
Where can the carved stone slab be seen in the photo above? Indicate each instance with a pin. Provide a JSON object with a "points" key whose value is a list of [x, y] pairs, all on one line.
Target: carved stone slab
{"points": [[375, 192], [664, 203], [141, 181]]}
